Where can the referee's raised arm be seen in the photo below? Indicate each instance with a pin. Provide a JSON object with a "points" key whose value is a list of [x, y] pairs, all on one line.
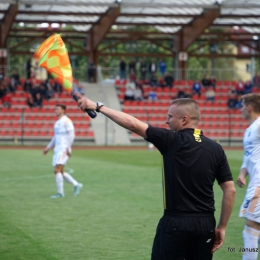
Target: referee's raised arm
{"points": [[127, 121]]}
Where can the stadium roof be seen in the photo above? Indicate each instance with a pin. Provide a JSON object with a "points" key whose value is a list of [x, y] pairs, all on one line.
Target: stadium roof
{"points": [[179, 22], [167, 16]]}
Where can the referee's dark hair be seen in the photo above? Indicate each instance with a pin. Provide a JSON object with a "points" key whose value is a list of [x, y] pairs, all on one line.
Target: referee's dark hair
{"points": [[63, 107], [188, 107]]}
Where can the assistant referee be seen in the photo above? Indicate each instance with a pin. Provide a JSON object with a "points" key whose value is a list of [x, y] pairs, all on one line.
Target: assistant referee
{"points": [[191, 163]]}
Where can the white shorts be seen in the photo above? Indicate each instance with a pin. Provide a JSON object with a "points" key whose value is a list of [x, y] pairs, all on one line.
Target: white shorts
{"points": [[250, 208], [60, 158]]}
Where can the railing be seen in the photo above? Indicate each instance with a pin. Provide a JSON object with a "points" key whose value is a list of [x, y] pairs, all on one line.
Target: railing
{"points": [[108, 73], [190, 74]]}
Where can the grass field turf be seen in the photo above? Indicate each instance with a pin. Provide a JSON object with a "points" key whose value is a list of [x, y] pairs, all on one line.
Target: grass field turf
{"points": [[114, 217]]}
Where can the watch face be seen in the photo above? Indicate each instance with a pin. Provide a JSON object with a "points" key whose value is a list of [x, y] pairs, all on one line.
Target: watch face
{"points": [[99, 105]]}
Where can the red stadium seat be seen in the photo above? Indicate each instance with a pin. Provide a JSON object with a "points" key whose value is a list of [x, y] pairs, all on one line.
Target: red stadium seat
{"points": [[15, 125], [17, 133], [90, 134]]}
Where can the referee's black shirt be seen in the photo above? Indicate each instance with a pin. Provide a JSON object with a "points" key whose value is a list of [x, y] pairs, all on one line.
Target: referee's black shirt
{"points": [[191, 163]]}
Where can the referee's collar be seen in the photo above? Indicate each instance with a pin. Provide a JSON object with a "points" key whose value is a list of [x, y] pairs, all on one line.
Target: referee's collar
{"points": [[192, 131]]}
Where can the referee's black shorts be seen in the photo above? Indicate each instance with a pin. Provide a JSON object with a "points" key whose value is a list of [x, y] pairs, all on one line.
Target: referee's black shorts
{"points": [[184, 237]]}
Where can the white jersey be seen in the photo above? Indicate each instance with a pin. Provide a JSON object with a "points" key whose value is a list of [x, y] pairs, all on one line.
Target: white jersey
{"points": [[252, 156], [63, 135]]}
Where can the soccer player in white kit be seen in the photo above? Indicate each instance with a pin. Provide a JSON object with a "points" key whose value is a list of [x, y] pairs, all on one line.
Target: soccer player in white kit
{"points": [[250, 209], [62, 141]]}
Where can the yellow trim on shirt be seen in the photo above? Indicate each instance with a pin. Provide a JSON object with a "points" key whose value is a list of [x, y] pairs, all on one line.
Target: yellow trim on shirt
{"points": [[163, 184], [196, 134]]}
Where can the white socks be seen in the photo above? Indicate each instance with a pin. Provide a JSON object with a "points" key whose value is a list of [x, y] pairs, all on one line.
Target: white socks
{"points": [[251, 237], [59, 182], [67, 177]]}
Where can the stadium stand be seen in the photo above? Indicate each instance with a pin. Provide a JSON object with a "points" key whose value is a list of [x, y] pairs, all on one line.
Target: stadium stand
{"points": [[20, 121], [217, 120]]}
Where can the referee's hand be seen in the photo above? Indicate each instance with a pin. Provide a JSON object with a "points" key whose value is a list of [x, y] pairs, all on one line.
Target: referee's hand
{"points": [[85, 103], [219, 239]]}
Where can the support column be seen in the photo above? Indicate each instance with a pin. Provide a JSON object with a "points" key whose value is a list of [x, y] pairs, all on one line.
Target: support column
{"points": [[191, 32], [97, 34], [5, 28]]}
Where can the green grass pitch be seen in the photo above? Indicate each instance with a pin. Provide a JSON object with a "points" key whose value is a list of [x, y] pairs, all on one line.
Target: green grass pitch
{"points": [[114, 217]]}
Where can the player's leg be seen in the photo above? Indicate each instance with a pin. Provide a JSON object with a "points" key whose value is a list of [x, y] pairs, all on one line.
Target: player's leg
{"points": [[250, 210], [67, 177], [251, 234], [59, 182], [77, 186]]}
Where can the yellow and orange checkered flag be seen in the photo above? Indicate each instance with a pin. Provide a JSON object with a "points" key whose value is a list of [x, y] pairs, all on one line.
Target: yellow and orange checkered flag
{"points": [[53, 56]]}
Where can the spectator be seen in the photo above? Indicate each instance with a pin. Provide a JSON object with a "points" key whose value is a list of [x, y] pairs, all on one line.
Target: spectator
{"points": [[162, 67], [3, 90], [130, 84], [240, 87], [161, 82], [91, 72], [152, 68], [132, 76], [12, 85], [239, 101], [213, 82], [232, 102], [196, 88], [47, 83], [152, 96], [182, 93], [57, 87], [16, 77], [138, 84], [138, 94], [49, 92], [132, 66], [2, 75], [256, 81], [14, 81], [210, 94], [78, 88], [43, 91], [248, 87], [232, 93], [30, 100], [7, 100], [143, 69], [153, 81], [28, 68], [38, 100], [169, 80], [122, 67], [34, 90], [205, 82], [129, 94], [232, 98], [27, 86]]}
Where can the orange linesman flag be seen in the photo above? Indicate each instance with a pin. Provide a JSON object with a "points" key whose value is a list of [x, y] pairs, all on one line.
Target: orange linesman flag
{"points": [[53, 56]]}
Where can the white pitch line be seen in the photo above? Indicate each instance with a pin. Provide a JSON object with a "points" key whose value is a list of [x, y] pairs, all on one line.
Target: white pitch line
{"points": [[33, 177]]}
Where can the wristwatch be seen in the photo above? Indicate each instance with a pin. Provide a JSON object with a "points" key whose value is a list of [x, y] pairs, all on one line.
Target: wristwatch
{"points": [[99, 105]]}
